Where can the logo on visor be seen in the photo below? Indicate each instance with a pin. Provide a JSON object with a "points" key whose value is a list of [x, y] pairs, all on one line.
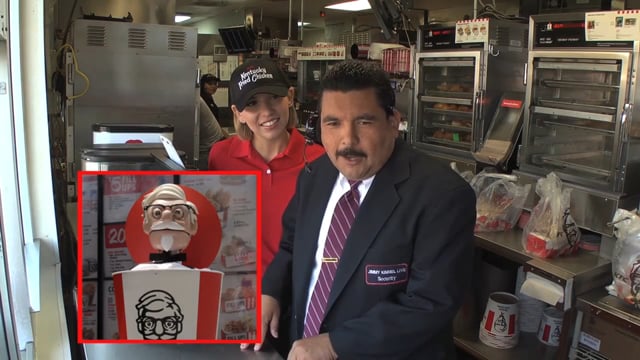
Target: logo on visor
{"points": [[253, 75]]}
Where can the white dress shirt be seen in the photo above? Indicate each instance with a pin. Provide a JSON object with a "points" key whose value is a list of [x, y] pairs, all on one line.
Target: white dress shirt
{"points": [[339, 188]]}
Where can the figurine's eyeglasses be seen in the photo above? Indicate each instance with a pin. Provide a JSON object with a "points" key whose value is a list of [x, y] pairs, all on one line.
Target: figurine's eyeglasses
{"points": [[169, 324], [178, 211]]}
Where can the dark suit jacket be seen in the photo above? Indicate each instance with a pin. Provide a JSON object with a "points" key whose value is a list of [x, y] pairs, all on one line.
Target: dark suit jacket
{"points": [[418, 215]]}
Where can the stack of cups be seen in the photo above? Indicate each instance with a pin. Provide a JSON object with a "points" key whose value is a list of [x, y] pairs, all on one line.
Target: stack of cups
{"points": [[529, 308], [550, 326], [499, 326]]}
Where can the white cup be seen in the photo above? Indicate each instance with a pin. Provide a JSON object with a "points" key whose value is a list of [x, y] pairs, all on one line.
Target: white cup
{"points": [[499, 326], [550, 326]]}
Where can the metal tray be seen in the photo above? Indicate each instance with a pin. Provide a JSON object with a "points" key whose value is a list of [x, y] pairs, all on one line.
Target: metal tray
{"points": [[451, 127], [578, 105], [581, 127], [579, 84], [458, 144], [593, 162], [449, 112], [449, 94]]}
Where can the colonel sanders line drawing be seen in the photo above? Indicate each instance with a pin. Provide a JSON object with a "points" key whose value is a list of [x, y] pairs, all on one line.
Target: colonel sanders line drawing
{"points": [[159, 316]]}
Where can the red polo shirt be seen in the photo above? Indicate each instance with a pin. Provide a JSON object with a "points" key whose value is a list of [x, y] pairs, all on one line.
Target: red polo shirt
{"points": [[278, 179]]}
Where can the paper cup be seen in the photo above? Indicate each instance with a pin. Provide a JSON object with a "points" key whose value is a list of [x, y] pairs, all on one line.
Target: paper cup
{"points": [[529, 309], [499, 326], [550, 326]]}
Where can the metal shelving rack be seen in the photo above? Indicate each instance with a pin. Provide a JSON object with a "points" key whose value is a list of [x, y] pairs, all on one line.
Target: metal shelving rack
{"points": [[578, 274]]}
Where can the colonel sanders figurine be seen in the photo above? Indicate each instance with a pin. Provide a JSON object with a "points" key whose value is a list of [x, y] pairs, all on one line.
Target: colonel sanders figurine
{"points": [[170, 221]]}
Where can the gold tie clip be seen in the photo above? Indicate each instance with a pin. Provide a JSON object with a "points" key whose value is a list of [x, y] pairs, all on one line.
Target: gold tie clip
{"points": [[329, 260]]}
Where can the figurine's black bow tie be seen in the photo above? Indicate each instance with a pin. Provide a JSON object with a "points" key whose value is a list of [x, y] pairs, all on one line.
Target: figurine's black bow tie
{"points": [[166, 256]]}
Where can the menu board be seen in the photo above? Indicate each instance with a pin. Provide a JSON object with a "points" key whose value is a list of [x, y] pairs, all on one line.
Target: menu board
{"points": [[623, 25], [234, 197], [472, 31], [90, 309], [89, 226], [109, 317]]}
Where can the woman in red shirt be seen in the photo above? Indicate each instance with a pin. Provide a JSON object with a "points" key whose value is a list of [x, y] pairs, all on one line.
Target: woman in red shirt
{"points": [[265, 120]]}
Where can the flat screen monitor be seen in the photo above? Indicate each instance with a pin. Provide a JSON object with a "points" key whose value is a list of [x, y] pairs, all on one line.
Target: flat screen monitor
{"points": [[238, 39]]}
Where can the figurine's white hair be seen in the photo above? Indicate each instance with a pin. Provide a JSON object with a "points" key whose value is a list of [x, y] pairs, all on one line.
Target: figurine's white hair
{"points": [[168, 192]]}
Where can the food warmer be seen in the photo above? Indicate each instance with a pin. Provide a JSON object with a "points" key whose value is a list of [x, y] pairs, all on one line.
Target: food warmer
{"points": [[579, 117], [462, 70]]}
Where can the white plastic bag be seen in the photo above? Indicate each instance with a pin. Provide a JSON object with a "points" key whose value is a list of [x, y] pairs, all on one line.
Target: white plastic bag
{"points": [[499, 201], [626, 257], [551, 231]]}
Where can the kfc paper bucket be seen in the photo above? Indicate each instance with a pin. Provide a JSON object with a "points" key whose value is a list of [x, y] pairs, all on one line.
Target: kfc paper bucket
{"points": [[550, 326], [168, 304], [499, 326]]}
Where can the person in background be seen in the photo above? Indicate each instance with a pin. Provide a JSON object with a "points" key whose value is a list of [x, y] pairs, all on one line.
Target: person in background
{"points": [[383, 276], [267, 140], [208, 87], [210, 133]]}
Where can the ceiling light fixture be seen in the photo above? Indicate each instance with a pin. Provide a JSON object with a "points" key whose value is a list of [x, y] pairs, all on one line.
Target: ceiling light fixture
{"points": [[356, 5], [305, 23], [181, 18]]}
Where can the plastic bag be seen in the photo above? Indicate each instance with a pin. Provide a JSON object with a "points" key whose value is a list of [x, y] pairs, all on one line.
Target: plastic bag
{"points": [[499, 201], [551, 231], [626, 257]]}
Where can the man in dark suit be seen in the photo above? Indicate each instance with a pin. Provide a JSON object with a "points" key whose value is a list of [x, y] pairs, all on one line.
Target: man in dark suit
{"points": [[407, 258]]}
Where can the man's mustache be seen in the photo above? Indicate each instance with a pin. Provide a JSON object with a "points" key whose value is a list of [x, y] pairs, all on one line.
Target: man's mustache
{"points": [[350, 152], [167, 225]]}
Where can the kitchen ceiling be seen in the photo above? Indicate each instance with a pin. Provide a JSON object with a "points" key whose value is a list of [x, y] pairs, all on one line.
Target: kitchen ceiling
{"points": [[279, 9]]}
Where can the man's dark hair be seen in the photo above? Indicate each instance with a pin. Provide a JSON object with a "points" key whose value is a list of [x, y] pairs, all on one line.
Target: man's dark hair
{"points": [[352, 75]]}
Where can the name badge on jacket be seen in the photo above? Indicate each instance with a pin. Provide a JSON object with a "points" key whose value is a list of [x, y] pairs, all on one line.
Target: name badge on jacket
{"points": [[386, 274]]}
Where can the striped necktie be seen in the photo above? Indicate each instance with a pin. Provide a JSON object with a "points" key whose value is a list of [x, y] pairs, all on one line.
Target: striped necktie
{"points": [[343, 216]]}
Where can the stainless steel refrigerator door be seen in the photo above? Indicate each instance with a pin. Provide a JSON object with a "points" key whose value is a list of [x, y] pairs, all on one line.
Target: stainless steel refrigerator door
{"points": [[575, 116]]}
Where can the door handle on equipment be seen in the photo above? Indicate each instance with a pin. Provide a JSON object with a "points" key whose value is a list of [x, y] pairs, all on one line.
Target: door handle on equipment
{"points": [[477, 122]]}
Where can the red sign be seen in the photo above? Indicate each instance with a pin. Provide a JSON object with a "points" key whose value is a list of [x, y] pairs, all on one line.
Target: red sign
{"points": [[120, 184], [513, 104], [114, 236]]}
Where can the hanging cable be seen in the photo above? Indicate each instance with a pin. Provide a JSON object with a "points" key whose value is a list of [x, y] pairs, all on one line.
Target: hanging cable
{"points": [[77, 69]]}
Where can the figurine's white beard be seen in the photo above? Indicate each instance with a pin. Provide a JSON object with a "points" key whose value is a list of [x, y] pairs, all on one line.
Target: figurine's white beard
{"points": [[166, 242]]}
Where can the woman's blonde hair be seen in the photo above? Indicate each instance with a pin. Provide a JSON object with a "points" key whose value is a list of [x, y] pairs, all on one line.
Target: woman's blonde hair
{"points": [[245, 133]]}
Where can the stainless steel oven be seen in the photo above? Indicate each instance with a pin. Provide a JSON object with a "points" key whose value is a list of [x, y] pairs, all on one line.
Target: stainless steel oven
{"points": [[459, 80], [579, 113]]}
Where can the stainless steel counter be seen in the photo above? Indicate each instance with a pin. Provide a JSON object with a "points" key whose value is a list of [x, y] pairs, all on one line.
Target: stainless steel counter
{"points": [[587, 270], [577, 274], [617, 310], [174, 352]]}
